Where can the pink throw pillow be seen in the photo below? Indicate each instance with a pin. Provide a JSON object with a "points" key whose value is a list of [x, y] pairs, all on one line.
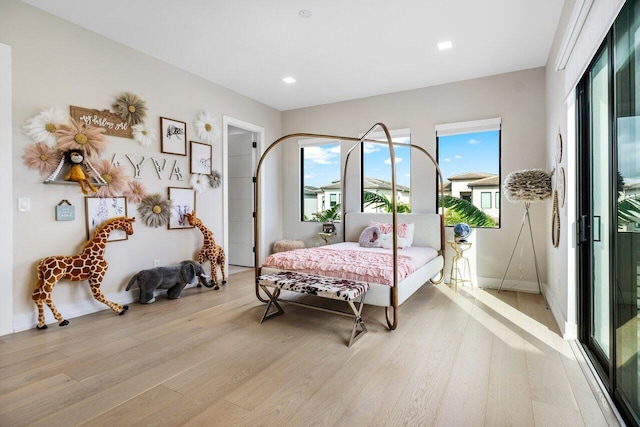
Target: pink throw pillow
{"points": [[386, 228]]}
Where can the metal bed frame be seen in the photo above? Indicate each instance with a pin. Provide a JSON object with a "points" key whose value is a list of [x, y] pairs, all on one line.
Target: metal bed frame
{"points": [[392, 321]]}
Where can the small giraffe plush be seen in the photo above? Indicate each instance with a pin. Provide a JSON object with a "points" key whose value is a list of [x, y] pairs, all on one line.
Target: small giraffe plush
{"points": [[88, 265], [210, 251]]}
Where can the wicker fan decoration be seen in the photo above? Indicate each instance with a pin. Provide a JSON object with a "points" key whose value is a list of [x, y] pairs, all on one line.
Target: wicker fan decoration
{"points": [[529, 186], [215, 179], [155, 210]]}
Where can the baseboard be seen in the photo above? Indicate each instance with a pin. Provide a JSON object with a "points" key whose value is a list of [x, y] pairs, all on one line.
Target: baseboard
{"points": [[508, 285]]}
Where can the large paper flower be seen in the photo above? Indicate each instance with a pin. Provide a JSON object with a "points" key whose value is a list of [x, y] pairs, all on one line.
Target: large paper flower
{"points": [[42, 157], [143, 135], [155, 210], [114, 176], [215, 180], [81, 136], [207, 127], [199, 182], [130, 108], [135, 191], [42, 128]]}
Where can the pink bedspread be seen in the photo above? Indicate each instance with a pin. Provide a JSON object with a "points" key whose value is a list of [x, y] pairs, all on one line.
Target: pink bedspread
{"points": [[372, 267]]}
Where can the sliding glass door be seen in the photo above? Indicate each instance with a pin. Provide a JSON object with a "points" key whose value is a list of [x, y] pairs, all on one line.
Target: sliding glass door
{"points": [[609, 210]]}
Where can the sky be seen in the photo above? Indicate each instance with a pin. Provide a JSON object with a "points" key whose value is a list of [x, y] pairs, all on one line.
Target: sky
{"points": [[469, 152]]}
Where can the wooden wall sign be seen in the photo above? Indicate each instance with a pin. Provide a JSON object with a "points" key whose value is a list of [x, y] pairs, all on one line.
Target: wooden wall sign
{"points": [[113, 124]]}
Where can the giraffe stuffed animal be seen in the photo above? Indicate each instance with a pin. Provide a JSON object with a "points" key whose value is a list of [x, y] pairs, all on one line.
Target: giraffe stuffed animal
{"points": [[87, 265], [210, 251]]}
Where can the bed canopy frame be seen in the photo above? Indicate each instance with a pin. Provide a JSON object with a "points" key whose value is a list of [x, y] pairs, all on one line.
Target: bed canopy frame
{"points": [[392, 321]]}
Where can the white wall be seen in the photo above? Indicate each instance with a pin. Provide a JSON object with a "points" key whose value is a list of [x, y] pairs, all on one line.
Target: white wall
{"points": [[6, 193], [56, 63], [518, 98]]}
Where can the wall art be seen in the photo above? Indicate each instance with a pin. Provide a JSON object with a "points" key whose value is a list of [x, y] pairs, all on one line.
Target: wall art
{"points": [[111, 123], [184, 202], [174, 136], [100, 209], [201, 158]]}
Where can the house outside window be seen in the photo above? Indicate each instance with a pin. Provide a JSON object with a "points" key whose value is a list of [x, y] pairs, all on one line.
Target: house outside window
{"points": [[469, 157], [376, 173], [320, 179]]}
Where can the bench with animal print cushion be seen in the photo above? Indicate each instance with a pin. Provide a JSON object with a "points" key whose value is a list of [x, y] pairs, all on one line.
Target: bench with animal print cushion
{"points": [[321, 286]]}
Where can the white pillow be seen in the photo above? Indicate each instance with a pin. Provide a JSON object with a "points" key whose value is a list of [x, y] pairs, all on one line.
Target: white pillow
{"points": [[385, 241], [411, 228]]}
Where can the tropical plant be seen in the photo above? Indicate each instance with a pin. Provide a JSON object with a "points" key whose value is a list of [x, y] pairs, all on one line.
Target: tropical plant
{"points": [[333, 213], [379, 201], [464, 211]]}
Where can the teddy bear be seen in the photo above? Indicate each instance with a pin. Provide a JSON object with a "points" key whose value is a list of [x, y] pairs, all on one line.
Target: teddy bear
{"points": [[76, 173]]}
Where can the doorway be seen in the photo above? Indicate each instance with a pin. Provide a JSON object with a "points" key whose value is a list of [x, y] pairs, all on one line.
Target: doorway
{"points": [[609, 211], [242, 144]]}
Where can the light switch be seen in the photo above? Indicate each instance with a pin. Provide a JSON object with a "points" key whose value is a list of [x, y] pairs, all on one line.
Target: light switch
{"points": [[24, 204]]}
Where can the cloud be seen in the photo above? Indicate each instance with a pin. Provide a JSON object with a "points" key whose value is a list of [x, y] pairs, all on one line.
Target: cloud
{"points": [[370, 148], [309, 176], [474, 141], [407, 175], [388, 161], [457, 156], [446, 159], [320, 155]]}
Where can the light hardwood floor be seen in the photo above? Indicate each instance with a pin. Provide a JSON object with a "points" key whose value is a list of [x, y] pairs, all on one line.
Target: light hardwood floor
{"points": [[476, 358]]}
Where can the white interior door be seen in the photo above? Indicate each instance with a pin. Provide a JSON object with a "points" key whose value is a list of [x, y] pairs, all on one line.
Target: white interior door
{"points": [[241, 159]]}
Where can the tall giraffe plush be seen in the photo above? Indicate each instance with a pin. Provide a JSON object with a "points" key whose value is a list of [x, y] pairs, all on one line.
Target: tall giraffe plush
{"points": [[88, 265], [210, 251]]}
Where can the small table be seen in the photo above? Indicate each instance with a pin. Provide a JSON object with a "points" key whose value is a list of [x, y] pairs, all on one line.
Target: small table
{"points": [[327, 237], [458, 276]]}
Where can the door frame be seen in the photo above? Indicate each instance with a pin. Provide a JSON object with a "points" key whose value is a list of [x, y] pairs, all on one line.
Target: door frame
{"points": [[259, 131]]}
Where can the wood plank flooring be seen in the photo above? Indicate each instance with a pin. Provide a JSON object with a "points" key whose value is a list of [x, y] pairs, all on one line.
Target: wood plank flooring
{"points": [[475, 358]]}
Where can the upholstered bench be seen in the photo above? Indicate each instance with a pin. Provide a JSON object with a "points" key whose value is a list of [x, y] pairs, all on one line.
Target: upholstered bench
{"points": [[287, 245], [321, 286]]}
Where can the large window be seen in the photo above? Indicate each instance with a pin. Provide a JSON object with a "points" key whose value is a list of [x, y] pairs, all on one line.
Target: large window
{"points": [[320, 180], [469, 158], [376, 173]]}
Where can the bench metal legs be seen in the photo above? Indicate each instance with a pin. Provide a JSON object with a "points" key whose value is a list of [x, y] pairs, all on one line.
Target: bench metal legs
{"points": [[358, 330]]}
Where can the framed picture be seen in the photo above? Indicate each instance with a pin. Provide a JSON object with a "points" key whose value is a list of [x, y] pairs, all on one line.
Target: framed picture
{"points": [[100, 209], [173, 136], [184, 202], [201, 158]]}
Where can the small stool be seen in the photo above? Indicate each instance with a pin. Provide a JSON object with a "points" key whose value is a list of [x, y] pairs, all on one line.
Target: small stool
{"points": [[321, 286], [456, 276]]}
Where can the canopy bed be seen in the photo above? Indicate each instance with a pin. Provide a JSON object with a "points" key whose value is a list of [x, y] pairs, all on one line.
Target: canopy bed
{"points": [[391, 275]]}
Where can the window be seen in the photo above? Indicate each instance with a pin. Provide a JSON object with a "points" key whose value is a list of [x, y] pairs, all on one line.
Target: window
{"points": [[469, 158], [486, 200], [320, 179], [376, 173]]}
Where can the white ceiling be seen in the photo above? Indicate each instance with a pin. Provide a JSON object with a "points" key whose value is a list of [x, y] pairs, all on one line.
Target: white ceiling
{"points": [[348, 49]]}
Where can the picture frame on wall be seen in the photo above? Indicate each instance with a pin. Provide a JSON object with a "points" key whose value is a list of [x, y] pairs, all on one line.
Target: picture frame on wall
{"points": [[173, 136], [184, 202], [100, 209], [201, 157]]}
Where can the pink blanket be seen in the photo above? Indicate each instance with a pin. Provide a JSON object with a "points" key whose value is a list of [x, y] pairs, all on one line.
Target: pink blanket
{"points": [[372, 267]]}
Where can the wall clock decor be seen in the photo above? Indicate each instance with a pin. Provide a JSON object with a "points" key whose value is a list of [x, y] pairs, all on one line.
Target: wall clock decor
{"points": [[555, 222], [560, 186]]}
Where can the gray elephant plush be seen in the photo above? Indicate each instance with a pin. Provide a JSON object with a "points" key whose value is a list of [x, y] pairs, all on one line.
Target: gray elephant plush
{"points": [[174, 278]]}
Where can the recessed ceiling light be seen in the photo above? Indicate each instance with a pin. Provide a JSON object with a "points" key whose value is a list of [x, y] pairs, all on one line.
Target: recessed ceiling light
{"points": [[304, 13], [289, 80], [445, 45]]}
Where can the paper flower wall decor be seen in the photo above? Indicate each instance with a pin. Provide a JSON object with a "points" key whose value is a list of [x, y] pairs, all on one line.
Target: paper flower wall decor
{"points": [[135, 191], [131, 108], [207, 127], [43, 127], [143, 134], [42, 157], [114, 176], [80, 136], [199, 182], [215, 180], [155, 210]]}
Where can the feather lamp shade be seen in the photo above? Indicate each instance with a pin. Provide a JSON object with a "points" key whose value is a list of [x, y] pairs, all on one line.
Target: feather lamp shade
{"points": [[529, 186]]}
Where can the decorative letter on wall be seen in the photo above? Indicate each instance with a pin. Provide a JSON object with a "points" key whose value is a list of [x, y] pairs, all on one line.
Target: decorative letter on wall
{"points": [[137, 166]]}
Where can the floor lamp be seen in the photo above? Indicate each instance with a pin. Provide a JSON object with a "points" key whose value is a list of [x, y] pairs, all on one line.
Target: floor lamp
{"points": [[526, 186]]}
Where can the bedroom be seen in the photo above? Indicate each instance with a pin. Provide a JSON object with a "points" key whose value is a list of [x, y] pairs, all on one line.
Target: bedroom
{"points": [[530, 103]]}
